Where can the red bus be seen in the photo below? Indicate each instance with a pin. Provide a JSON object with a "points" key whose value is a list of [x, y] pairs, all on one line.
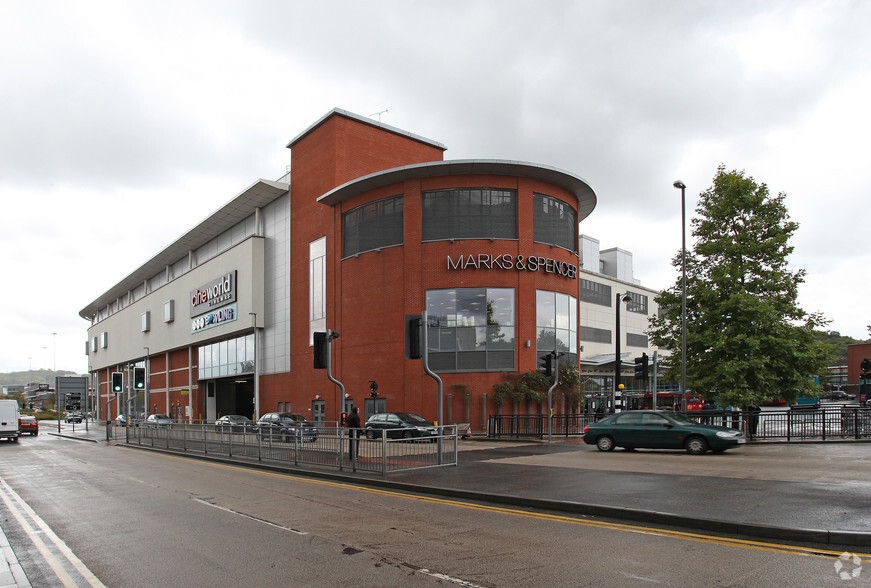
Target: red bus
{"points": [[665, 401]]}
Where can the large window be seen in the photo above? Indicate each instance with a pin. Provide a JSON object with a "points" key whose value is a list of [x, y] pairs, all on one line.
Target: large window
{"points": [[469, 213], [372, 226], [594, 335], [556, 320], [226, 358], [554, 222], [317, 287], [637, 304], [470, 329], [595, 293]]}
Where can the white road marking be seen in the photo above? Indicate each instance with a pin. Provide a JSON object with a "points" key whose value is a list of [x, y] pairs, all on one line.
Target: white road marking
{"points": [[247, 516], [22, 512]]}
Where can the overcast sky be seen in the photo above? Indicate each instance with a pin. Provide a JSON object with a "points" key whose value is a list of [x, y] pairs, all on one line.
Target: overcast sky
{"points": [[126, 123]]}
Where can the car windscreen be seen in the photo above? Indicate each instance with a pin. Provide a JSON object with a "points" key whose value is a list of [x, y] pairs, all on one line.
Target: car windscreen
{"points": [[412, 418], [681, 418]]}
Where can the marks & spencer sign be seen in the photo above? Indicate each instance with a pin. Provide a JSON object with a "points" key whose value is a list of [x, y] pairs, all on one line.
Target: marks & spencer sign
{"points": [[520, 263], [215, 294]]}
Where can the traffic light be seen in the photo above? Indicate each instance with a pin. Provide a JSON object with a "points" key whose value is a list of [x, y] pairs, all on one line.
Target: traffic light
{"points": [[320, 351], [641, 367], [413, 333], [344, 419], [117, 382], [546, 364], [139, 378], [866, 368]]}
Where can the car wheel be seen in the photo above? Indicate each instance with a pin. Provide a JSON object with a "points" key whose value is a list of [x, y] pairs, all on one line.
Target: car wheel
{"points": [[605, 443], [407, 434], [370, 434], [696, 446]]}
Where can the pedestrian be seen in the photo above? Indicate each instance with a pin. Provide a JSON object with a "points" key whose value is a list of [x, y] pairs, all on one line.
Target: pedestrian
{"points": [[353, 430]]}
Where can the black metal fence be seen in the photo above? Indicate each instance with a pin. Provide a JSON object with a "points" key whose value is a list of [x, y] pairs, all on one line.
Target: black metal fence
{"points": [[798, 423], [329, 447]]}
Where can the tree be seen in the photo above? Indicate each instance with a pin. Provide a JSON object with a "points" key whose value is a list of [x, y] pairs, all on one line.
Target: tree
{"points": [[748, 341]]}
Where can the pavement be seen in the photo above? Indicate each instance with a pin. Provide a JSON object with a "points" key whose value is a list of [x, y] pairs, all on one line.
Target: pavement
{"points": [[814, 493]]}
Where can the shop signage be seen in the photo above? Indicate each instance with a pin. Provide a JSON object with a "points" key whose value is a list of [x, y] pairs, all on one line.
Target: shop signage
{"points": [[214, 294], [506, 261], [214, 319]]}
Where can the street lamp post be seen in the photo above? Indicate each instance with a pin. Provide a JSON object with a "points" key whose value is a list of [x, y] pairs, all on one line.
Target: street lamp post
{"points": [[147, 378], [617, 360], [683, 308]]}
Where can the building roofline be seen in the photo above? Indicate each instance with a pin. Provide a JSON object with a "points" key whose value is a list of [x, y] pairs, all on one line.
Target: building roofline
{"points": [[573, 184], [367, 121], [257, 195]]}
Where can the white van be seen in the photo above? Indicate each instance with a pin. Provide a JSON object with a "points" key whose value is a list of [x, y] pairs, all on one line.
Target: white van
{"points": [[9, 420]]}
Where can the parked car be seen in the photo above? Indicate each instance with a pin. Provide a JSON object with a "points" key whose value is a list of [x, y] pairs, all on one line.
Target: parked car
{"points": [[28, 424], [404, 425], [657, 429], [73, 417], [122, 420], [158, 420], [839, 395], [285, 426], [235, 423]]}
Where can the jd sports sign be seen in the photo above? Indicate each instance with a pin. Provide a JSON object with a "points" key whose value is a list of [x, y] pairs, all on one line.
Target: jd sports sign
{"points": [[506, 261]]}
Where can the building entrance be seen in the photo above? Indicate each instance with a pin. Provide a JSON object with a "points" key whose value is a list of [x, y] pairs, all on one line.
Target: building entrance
{"points": [[230, 396]]}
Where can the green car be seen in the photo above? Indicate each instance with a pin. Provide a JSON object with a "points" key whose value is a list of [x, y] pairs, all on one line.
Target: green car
{"points": [[659, 429]]}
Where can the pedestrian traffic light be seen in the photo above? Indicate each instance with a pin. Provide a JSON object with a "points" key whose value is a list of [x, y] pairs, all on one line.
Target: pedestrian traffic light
{"points": [[546, 364], [117, 382], [641, 367], [344, 419], [139, 378]]}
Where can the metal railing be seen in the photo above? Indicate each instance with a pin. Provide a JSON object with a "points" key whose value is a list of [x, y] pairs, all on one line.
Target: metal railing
{"points": [[330, 447], [802, 423]]}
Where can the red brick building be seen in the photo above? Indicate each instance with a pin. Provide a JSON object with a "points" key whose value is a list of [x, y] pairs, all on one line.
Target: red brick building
{"points": [[372, 228]]}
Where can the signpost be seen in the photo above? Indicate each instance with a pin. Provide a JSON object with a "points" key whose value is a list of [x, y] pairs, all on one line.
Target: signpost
{"points": [[70, 391]]}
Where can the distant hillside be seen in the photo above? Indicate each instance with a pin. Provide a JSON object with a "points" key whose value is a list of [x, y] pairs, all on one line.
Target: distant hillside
{"points": [[838, 344], [33, 377]]}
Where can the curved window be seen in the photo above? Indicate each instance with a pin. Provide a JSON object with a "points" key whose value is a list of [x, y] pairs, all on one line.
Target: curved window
{"points": [[372, 226], [470, 329], [554, 222], [469, 213], [556, 321]]}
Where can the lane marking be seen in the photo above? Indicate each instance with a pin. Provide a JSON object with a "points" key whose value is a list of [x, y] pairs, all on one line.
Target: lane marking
{"points": [[248, 516], [629, 528], [19, 509]]}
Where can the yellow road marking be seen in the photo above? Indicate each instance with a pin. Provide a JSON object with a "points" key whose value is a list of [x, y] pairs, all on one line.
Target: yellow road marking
{"points": [[698, 537]]}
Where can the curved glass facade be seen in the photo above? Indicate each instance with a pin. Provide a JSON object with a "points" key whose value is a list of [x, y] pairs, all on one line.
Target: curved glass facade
{"points": [[554, 222], [469, 213], [556, 321], [471, 329], [372, 226]]}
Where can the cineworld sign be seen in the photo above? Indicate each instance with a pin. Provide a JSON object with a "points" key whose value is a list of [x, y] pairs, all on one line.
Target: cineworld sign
{"points": [[214, 318], [214, 294], [506, 261]]}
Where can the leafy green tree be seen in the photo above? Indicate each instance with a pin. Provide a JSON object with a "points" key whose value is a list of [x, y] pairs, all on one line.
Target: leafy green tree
{"points": [[748, 341]]}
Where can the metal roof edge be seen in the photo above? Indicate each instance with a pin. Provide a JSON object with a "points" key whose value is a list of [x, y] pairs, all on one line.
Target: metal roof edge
{"points": [[575, 184], [257, 194], [367, 121]]}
